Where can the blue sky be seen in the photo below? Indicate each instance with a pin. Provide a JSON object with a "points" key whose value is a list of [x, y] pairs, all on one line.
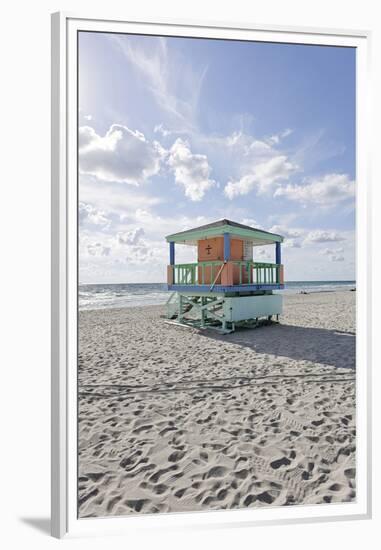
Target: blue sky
{"points": [[178, 132]]}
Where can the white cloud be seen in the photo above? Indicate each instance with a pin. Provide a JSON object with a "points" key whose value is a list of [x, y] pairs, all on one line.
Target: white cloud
{"points": [[328, 190], [291, 235], [139, 254], [131, 237], [276, 138], [251, 223], [297, 237], [250, 163], [135, 247], [121, 155], [262, 254], [292, 243], [89, 215], [337, 258], [192, 171], [86, 135], [287, 232], [97, 249], [121, 199], [131, 246], [320, 236], [262, 177], [160, 129], [335, 254], [160, 69], [330, 251], [157, 227], [239, 144]]}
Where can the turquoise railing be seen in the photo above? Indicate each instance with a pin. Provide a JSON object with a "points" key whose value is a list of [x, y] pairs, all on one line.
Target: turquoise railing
{"points": [[187, 274], [249, 272], [258, 272]]}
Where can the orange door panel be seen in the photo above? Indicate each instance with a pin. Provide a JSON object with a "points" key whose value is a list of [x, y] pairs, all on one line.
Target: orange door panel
{"points": [[236, 249], [210, 250], [236, 253]]}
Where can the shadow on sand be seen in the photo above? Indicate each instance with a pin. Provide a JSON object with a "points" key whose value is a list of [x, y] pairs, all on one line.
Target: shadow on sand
{"points": [[318, 345]]}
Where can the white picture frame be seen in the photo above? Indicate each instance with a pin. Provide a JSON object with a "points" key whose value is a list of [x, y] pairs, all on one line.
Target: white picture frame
{"points": [[64, 277]]}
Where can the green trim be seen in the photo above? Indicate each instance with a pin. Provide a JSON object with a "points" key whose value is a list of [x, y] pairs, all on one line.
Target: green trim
{"points": [[206, 264], [248, 234]]}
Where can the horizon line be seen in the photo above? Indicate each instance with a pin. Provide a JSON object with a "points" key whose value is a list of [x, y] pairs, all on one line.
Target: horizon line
{"points": [[164, 282]]}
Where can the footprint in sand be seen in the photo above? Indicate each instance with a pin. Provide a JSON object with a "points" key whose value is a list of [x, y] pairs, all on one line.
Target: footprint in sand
{"points": [[216, 471], [136, 505], [276, 464], [242, 474], [160, 489], [176, 456], [350, 473]]}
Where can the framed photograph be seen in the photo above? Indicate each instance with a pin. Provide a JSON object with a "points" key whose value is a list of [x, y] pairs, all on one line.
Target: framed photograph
{"points": [[211, 275]]}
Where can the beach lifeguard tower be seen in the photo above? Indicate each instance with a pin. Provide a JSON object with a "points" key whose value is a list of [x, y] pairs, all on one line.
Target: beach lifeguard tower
{"points": [[225, 287]]}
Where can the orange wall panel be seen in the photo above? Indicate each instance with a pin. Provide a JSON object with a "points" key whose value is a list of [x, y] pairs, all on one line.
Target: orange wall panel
{"points": [[170, 275], [281, 275], [236, 249], [210, 250], [210, 274], [213, 249], [227, 274]]}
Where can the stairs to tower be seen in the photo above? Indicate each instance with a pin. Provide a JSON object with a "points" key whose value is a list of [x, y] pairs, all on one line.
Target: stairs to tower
{"points": [[173, 307]]}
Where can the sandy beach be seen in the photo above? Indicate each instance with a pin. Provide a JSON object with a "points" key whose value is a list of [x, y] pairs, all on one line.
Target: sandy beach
{"points": [[173, 420]]}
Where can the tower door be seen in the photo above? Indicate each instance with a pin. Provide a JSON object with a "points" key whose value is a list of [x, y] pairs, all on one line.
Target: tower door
{"points": [[210, 250]]}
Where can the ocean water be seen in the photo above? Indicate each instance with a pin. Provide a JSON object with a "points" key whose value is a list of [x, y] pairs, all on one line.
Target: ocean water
{"points": [[103, 296]]}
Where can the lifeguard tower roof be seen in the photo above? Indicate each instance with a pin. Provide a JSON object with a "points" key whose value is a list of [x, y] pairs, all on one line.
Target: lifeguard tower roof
{"points": [[257, 236]]}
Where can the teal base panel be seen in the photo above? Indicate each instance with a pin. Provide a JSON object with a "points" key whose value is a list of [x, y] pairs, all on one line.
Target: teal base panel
{"points": [[221, 312], [243, 308]]}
